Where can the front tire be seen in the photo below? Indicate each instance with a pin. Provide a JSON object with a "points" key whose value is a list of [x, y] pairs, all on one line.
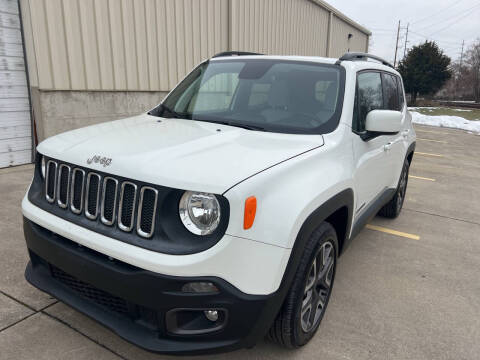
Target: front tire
{"points": [[393, 208], [307, 299]]}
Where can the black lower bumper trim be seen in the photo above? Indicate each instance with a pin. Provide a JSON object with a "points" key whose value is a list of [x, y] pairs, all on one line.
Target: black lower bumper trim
{"points": [[134, 302]]}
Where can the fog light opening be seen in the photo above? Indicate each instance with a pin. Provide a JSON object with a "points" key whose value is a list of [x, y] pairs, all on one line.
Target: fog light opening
{"points": [[211, 315], [200, 287]]}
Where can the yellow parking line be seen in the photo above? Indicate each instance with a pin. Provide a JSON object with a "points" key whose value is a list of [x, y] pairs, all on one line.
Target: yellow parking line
{"points": [[393, 232], [438, 141], [427, 154], [421, 178]]}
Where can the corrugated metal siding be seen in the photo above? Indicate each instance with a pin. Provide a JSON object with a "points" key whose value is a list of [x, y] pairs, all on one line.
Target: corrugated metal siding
{"points": [[121, 44], [149, 45], [287, 27], [15, 125], [340, 43]]}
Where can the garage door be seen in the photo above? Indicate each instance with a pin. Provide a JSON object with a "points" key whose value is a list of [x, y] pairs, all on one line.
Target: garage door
{"points": [[15, 123]]}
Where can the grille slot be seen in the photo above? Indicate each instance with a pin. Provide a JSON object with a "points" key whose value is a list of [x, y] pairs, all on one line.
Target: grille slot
{"points": [[146, 211], [128, 197], [63, 185], [90, 292], [76, 191], [109, 200], [92, 195], [51, 181]]}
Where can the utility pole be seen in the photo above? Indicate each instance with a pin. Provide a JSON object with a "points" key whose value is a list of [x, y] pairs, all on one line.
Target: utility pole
{"points": [[406, 41], [461, 55], [396, 46]]}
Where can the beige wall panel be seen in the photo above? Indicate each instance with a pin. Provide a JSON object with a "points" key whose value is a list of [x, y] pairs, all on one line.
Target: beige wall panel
{"points": [[118, 48], [90, 45], [29, 46], [130, 48], [197, 39], [171, 43], [189, 45], [41, 43], [74, 44], [162, 45], [104, 43], [152, 44], [58, 48], [287, 27], [340, 42], [141, 44], [180, 38]]}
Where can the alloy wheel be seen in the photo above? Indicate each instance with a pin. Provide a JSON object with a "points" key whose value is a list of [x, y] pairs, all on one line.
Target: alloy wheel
{"points": [[318, 287]]}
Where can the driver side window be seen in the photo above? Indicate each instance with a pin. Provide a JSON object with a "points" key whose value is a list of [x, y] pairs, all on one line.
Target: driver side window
{"points": [[368, 97]]}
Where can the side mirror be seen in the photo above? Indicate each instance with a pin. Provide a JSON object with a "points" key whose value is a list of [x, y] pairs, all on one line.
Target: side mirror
{"points": [[384, 121]]}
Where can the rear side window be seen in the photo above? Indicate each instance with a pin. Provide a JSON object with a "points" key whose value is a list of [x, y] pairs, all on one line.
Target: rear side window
{"points": [[369, 97], [390, 92]]}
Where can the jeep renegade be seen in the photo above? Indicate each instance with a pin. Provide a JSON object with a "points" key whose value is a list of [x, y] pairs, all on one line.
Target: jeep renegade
{"points": [[218, 217]]}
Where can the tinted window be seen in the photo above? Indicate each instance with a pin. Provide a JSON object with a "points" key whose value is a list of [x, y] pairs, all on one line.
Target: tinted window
{"points": [[369, 97], [276, 95], [390, 92], [401, 99]]}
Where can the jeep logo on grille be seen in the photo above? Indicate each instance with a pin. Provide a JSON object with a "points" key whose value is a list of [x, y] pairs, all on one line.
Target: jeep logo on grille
{"points": [[99, 159]]}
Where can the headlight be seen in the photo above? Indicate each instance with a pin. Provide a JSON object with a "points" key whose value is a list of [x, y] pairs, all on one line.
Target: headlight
{"points": [[199, 212], [42, 166]]}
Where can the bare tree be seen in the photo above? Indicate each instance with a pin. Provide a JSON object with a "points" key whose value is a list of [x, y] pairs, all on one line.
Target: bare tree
{"points": [[472, 61]]}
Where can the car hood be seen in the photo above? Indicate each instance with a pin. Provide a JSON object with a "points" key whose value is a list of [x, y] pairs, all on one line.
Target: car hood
{"points": [[178, 153]]}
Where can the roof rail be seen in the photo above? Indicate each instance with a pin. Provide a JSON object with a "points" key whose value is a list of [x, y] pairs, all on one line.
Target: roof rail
{"points": [[357, 56], [235, 53]]}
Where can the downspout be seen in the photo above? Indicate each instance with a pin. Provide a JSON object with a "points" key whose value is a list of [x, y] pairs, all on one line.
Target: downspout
{"points": [[329, 33]]}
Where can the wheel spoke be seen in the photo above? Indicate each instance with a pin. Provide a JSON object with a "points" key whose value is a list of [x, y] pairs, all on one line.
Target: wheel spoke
{"points": [[311, 276]]}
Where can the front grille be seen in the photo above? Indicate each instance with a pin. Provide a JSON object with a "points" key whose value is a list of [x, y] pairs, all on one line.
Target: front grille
{"points": [[128, 197], [102, 198], [51, 181], [93, 194], [146, 212], [109, 200], [76, 193], [63, 185], [102, 298]]}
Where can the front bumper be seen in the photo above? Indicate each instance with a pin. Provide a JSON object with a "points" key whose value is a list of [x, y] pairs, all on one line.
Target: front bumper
{"points": [[134, 302]]}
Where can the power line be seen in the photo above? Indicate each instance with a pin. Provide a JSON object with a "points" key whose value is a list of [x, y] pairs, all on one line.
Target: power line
{"points": [[438, 12], [455, 20]]}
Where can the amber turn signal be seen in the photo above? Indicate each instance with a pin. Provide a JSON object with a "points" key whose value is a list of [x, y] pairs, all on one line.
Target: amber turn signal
{"points": [[250, 210]]}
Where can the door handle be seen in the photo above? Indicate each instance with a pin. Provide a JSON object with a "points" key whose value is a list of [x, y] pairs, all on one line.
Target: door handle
{"points": [[405, 133], [387, 146]]}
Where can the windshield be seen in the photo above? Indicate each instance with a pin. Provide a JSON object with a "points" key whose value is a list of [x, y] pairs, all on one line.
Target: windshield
{"points": [[261, 94]]}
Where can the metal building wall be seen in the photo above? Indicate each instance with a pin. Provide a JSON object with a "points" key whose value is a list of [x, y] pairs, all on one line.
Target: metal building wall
{"points": [[148, 45], [121, 44], [340, 44], [287, 27]]}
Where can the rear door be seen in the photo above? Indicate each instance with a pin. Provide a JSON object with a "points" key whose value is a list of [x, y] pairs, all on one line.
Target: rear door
{"points": [[395, 147], [372, 173]]}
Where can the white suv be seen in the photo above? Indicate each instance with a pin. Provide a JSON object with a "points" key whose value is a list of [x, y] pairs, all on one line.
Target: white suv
{"points": [[218, 216]]}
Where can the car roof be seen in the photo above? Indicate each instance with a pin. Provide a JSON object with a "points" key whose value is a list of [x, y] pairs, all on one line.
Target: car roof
{"points": [[352, 65]]}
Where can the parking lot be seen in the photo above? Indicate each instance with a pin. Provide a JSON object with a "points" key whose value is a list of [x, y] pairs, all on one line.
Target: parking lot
{"points": [[405, 289]]}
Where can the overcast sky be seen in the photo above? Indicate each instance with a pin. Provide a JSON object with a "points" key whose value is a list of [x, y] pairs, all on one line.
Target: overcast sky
{"points": [[446, 21]]}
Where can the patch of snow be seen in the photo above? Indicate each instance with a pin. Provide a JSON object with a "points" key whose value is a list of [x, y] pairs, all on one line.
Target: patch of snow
{"points": [[454, 122]]}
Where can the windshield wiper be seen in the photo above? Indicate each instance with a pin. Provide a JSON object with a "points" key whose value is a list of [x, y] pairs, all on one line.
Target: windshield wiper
{"points": [[162, 109], [229, 123]]}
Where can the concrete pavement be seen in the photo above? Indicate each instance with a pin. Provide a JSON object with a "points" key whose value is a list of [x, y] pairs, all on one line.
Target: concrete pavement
{"points": [[394, 297]]}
